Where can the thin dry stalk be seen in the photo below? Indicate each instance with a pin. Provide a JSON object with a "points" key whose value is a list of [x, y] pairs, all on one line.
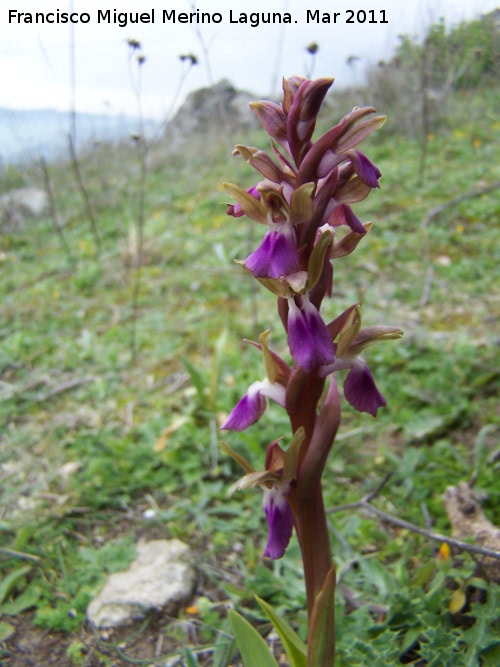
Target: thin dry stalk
{"points": [[143, 155], [204, 48], [58, 226], [425, 115], [84, 194]]}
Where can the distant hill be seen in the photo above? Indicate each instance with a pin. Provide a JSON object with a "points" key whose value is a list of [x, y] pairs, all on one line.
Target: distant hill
{"points": [[31, 134]]}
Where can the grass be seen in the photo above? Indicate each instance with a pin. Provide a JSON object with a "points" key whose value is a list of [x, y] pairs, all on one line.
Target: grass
{"points": [[93, 442]]}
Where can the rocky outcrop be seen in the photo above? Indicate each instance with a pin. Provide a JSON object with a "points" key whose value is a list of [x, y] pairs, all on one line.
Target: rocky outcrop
{"points": [[209, 113]]}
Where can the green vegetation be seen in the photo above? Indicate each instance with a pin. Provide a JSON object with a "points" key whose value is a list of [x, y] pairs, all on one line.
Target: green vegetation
{"points": [[418, 86], [461, 58], [99, 448]]}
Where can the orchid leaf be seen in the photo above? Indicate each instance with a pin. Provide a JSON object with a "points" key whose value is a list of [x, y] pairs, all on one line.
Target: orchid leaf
{"points": [[295, 648], [252, 647], [321, 649], [325, 430]]}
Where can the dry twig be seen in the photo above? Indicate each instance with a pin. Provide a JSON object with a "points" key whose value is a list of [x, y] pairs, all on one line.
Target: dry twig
{"points": [[12, 553], [84, 194], [58, 225], [365, 503], [74, 383]]}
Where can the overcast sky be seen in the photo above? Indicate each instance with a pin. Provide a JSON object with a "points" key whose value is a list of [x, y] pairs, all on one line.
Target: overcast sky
{"points": [[35, 60]]}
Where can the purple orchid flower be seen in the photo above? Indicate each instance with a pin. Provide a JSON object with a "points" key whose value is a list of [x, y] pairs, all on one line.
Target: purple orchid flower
{"points": [[282, 210], [308, 337], [275, 481], [252, 406], [277, 255], [360, 389], [279, 519]]}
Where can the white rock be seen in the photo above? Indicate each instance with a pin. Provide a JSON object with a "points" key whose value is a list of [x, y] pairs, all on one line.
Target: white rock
{"points": [[17, 205], [160, 577]]}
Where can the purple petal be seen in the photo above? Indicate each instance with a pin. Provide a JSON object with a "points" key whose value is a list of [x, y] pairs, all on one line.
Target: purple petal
{"points": [[343, 215], [276, 256], [280, 521], [365, 169], [247, 411], [308, 338], [360, 389]]}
